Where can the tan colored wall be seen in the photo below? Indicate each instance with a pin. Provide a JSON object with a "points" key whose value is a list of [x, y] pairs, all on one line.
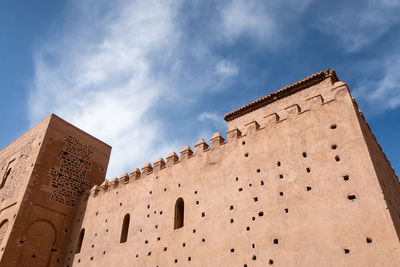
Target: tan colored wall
{"points": [[389, 182], [237, 197], [23, 153], [68, 162]]}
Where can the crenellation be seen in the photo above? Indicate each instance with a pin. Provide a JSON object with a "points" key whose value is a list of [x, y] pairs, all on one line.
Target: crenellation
{"points": [[200, 147], [159, 164], [135, 174], [124, 179], [94, 191], [292, 110], [271, 119], [186, 153], [114, 183], [233, 135], [104, 186], [252, 127], [216, 140], [172, 158], [147, 169], [314, 102]]}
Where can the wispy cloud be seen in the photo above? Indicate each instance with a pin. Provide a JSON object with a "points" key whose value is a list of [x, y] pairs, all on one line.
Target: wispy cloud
{"points": [[115, 68], [382, 93], [357, 25]]}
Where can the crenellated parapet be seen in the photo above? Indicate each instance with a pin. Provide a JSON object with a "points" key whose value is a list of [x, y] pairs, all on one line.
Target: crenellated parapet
{"points": [[330, 89]]}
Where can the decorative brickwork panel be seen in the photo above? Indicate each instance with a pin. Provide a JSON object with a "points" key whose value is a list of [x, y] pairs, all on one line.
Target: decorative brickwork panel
{"points": [[68, 180], [14, 158]]}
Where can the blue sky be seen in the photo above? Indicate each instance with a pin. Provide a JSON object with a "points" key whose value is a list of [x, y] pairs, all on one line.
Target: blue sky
{"points": [[149, 77]]}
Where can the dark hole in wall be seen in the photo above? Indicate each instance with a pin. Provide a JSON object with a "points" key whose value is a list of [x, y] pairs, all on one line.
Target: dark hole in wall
{"points": [[278, 163], [270, 262], [308, 169], [281, 193], [276, 241], [304, 155], [262, 182], [351, 197], [261, 214], [286, 210], [333, 126], [232, 250], [308, 188], [346, 251], [254, 257], [369, 240], [255, 199], [334, 146], [337, 158], [281, 176], [346, 177]]}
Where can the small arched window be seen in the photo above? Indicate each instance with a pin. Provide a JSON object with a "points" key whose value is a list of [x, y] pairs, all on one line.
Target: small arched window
{"points": [[80, 240], [179, 213], [125, 228]]}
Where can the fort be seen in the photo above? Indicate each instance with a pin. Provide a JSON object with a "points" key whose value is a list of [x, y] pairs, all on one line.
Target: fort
{"points": [[299, 180]]}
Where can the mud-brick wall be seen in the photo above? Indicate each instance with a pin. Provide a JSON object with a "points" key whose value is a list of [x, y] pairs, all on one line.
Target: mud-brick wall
{"points": [[298, 189]]}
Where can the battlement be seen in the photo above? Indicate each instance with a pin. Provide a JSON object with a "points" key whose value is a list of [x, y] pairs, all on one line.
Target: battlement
{"points": [[318, 89]]}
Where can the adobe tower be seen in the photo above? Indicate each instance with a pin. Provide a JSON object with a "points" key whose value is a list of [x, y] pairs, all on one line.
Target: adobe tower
{"points": [[43, 174], [299, 181]]}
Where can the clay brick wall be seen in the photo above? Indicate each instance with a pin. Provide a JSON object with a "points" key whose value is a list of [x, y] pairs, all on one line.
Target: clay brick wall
{"points": [[68, 161], [389, 182], [293, 185]]}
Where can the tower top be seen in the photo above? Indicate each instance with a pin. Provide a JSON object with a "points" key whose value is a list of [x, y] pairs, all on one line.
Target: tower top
{"points": [[285, 91]]}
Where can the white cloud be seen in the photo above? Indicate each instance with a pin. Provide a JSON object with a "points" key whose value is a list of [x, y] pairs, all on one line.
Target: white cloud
{"points": [[246, 17], [357, 25], [113, 66], [105, 86], [264, 21], [384, 93], [226, 68]]}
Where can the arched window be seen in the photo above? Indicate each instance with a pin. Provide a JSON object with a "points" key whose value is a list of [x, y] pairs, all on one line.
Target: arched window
{"points": [[125, 228], [3, 230], [80, 240], [179, 213]]}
